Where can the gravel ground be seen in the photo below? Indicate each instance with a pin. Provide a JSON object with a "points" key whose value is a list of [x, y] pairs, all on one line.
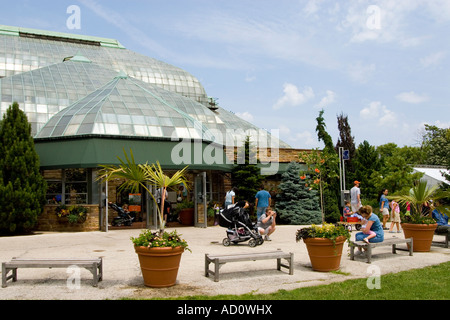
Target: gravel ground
{"points": [[122, 275]]}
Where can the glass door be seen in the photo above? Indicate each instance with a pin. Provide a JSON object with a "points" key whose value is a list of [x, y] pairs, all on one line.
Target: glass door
{"points": [[201, 220]]}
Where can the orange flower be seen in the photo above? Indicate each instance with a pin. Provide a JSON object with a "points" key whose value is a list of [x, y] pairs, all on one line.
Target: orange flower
{"points": [[322, 161], [317, 181], [317, 170], [303, 177]]}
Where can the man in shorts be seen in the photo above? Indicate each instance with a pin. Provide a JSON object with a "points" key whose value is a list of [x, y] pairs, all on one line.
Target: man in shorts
{"points": [[355, 196]]}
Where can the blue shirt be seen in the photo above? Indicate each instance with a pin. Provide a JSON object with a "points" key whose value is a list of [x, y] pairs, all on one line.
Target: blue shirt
{"points": [[376, 227], [441, 218], [386, 202], [263, 198]]}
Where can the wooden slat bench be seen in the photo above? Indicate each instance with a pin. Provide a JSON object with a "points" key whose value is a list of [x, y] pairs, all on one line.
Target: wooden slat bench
{"points": [[387, 242], [446, 235], [220, 260], [95, 265]]}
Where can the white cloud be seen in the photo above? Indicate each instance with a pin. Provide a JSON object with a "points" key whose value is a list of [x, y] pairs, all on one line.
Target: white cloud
{"points": [[412, 97], [379, 113], [433, 59], [292, 97], [247, 116], [327, 100]]}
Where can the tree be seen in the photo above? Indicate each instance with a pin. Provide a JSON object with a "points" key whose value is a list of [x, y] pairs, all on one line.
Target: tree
{"points": [[436, 142], [22, 187], [246, 175], [297, 203], [366, 162], [347, 142], [143, 175], [330, 175], [395, 174]]}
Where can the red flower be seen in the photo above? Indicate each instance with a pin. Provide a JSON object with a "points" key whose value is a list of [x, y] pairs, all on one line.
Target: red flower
{"points": [[303, 177], [317, 170]]}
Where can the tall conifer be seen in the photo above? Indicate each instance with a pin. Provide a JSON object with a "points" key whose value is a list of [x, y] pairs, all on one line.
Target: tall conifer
{"points": [[22, 187]]}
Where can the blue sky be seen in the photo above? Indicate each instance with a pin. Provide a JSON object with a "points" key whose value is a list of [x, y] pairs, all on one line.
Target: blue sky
{"points": [[277, 63]]}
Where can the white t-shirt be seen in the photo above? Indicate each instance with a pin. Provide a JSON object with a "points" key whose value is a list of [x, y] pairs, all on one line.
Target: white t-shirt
{"points": [[229, 196], [354, 192]]}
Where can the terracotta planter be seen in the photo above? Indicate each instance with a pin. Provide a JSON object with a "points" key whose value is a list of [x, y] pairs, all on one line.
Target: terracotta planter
{"points": [[186, 216], [422, 235], [159, 266], [324, 255]]}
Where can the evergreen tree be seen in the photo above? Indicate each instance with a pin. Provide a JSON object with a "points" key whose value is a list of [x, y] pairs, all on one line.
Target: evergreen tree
{"points": [[246, 175], [296, 203], [22, 187], [366, 162]]}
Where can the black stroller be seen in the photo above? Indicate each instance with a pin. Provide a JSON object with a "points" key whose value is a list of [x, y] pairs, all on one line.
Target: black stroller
{"points": [[239, 227], [123, 219]]}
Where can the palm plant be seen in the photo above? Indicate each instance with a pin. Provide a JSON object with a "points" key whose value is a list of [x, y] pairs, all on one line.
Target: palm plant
{"points": [[143, 175], [418, 197]]}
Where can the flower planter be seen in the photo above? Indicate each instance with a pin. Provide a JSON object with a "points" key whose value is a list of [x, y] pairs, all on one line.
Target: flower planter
{"points": [[422, 235], [186, 216], [159, 266], [324, 254]]}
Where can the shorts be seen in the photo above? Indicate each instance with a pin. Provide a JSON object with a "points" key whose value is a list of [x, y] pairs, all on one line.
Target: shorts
{"points": [[395, 216], [260, 211], [385, 212], [355, 207]]}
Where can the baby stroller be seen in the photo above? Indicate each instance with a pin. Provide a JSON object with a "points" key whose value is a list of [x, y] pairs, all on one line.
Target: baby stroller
{"points": [[239, 227], [123, 219]]}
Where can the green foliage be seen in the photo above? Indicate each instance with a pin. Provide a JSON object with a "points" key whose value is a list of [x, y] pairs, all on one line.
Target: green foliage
{"points": [[159, 240], [436, 142], [297, 203], [330, 173], [395, 173], [22, 187], [246, 175], [366, 162], [74, 214], [326, 231], [417, 197]]}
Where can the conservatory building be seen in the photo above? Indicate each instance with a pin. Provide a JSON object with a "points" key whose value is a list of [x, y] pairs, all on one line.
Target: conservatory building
{"points": [[89, 100]]}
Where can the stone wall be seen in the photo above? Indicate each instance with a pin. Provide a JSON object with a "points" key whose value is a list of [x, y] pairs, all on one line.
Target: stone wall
{"points": [[49, 221]]}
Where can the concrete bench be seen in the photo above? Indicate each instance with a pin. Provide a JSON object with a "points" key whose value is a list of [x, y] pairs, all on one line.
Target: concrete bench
{"points": [[94, 265], [220, 260], [387, 242]]}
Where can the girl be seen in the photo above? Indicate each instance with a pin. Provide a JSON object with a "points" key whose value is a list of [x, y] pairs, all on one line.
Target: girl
{"points": [[395, 217]]}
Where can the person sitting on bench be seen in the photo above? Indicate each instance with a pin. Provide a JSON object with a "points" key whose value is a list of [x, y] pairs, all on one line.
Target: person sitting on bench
{"points": [[373, 224], [441, 219]]}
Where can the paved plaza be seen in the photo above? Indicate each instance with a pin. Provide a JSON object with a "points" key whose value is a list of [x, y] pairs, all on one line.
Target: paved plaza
{"points": [[122, 275]]}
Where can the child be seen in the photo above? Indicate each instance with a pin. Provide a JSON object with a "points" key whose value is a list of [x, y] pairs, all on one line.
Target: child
{"points": [[395, 217], [347, 211], [370, 234]]}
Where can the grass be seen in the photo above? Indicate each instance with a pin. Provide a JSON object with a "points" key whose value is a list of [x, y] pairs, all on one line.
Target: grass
{"points": [[430, 283]]}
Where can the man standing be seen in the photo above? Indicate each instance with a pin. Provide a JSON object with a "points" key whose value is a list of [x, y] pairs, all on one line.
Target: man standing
{"points": [[262, 201], [355, 196]]}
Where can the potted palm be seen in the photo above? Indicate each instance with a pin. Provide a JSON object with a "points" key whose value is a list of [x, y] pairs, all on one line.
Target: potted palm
{"points": [[159, 252], [419, 225], [324, 244]]}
